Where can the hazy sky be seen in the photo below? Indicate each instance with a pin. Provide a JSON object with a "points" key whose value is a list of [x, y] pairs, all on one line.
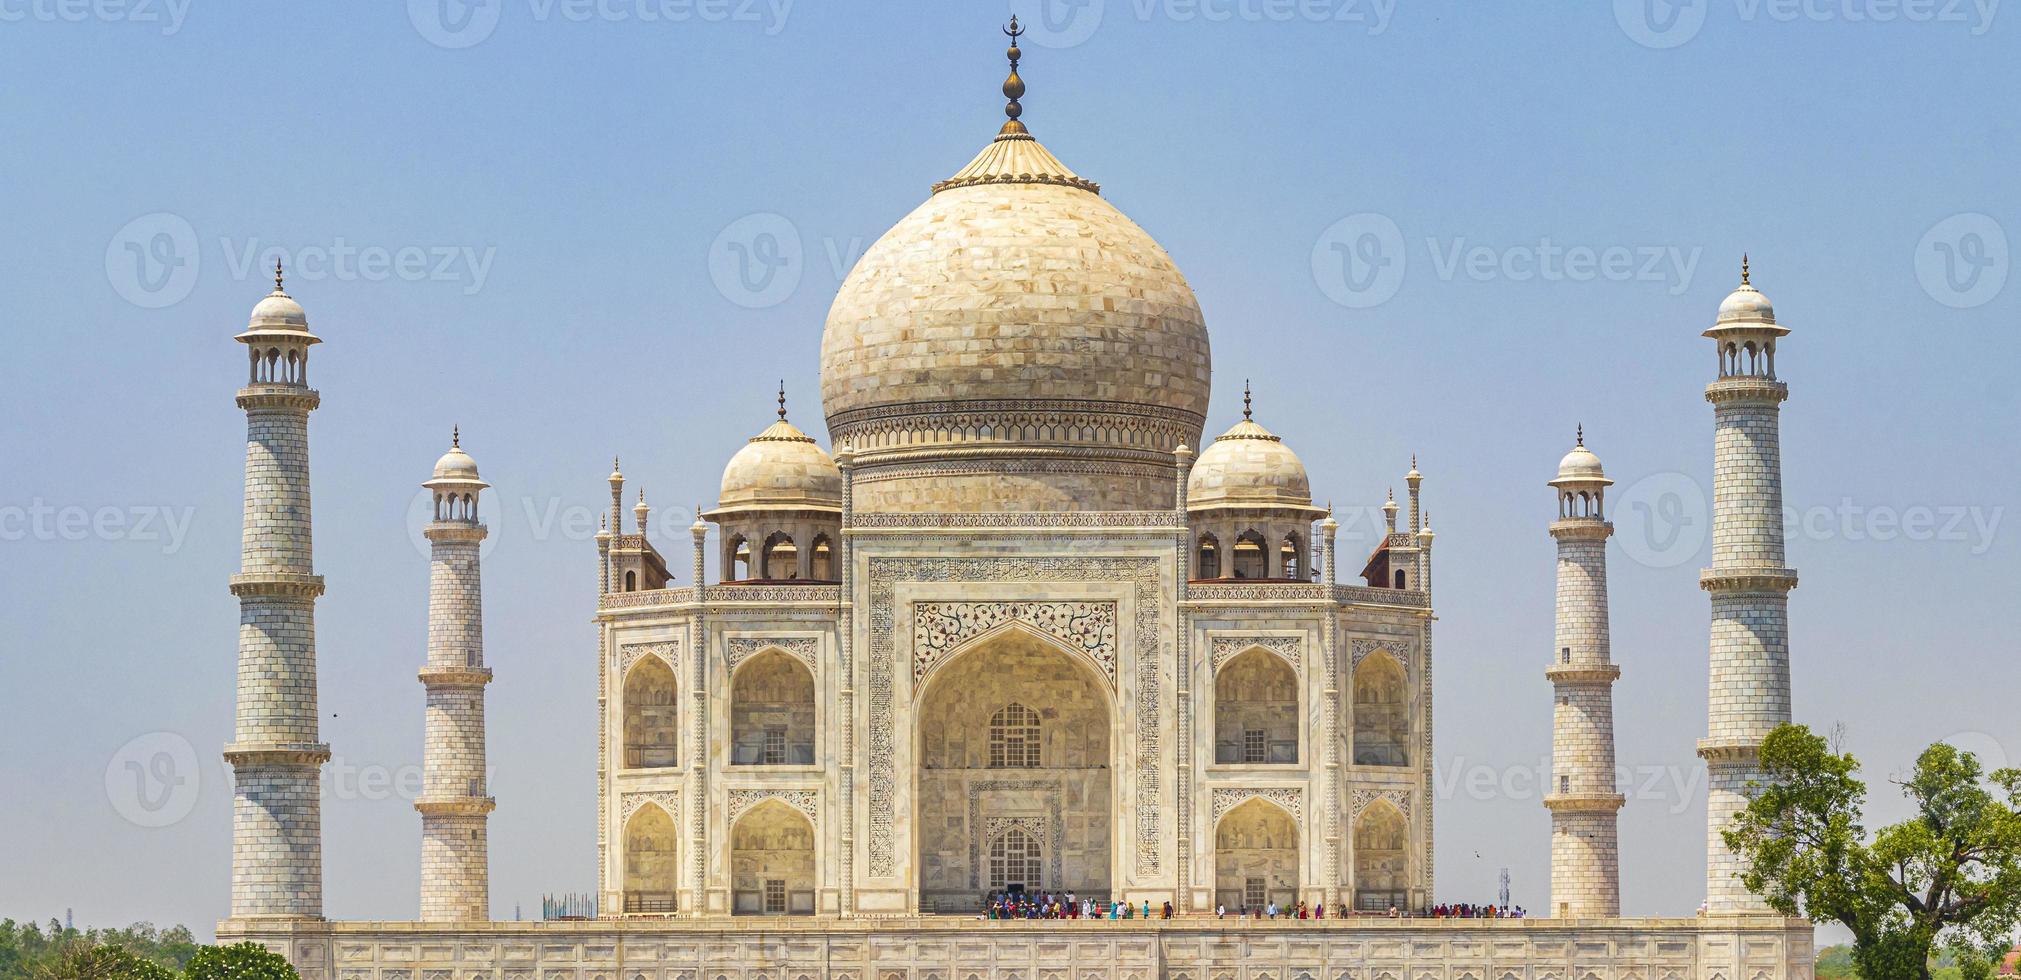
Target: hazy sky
{"points": [[1456, 229]]}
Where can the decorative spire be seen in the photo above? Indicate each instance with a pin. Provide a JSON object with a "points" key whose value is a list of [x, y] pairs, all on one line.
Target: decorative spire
{"points": [[782, 399], [1582, 433], [1013, 87], [1743, 269], [278, 291], [1247, 410], [456, 437]]}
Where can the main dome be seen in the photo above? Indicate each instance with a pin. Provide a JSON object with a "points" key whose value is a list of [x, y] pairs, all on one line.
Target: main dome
{"points": [[1015, 343]]}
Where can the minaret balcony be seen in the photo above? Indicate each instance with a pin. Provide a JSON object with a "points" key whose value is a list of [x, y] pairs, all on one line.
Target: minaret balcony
{"points": [[1747, 578], [276, 753], [455, 675], [285, 585], [279, 397], [1743, 388], [1600, 673], [1584, 802], [455, 806]]}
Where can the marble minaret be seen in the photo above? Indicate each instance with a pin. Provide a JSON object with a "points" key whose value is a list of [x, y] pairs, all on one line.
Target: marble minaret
{"points": [[454, 803], [1749, 694], [1583, 797], [275, 753]]}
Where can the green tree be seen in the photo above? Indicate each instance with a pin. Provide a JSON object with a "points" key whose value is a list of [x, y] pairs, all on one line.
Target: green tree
{"points": [[244, 961], [1951, 873]]}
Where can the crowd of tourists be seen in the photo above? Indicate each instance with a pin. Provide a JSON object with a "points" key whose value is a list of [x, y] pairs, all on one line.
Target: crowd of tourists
{"points": [[1048, 905], [1476, 912], [1045, 905]]}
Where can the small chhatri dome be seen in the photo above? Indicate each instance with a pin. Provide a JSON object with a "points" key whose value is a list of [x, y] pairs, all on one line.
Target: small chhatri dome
{"points": [[277, 310], [1745, 304], [456, 467], [781, 468], [1580, 465], [1248, 466]]}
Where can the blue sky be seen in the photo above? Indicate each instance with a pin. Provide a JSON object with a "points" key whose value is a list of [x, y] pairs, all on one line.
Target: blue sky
{"points": [[504, 216]]}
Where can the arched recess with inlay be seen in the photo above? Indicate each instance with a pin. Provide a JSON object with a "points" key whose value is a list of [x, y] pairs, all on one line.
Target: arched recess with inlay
{"points": [[772, 711], [1013, 729], [1256, 710], [1256, 854], [651, 716], [772, 869], [1382, 871], [652, 858], [1381, 712]]}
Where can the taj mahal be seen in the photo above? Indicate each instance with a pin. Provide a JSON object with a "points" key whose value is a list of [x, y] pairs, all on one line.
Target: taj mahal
{"points": [[1029, 625]]}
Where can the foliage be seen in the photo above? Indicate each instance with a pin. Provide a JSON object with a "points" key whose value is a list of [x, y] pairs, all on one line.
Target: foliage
{"points": [[1835, 963], [1950, 874], [29, 951], [245, 961]]}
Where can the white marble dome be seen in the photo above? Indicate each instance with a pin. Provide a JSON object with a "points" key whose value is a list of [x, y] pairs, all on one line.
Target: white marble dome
{"points": [[456, 465], [278, 311], [1021, 337], [1580, 466], [781, 468], [1746, 304], [1248, 466]]}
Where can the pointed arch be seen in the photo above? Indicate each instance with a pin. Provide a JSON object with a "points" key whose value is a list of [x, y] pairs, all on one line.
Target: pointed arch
{"points": [[1381, 711], [781, 559], [772, 710], [1256, 710], [1207, 564], [1256, 855], [651, 715], [1016, 858], [772, 870], [651, 861], [1251, 559], [1382, 865], [822, 560]]}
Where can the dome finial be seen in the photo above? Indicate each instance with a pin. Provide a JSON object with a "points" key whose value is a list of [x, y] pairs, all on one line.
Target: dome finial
{"points": [[1743, 269], [1013, 87], [278, 291], [1247, 411], [1582, 433], [456, 437], [782, 399]]}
